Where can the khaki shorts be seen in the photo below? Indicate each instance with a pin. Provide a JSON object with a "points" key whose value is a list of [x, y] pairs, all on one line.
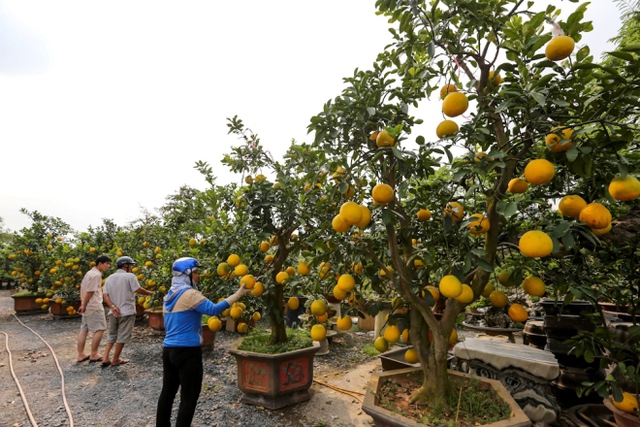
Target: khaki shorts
{"points": [[94, 321], [120, 328]]}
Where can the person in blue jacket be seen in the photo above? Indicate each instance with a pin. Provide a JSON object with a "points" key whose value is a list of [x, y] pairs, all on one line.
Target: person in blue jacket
{"points": [[183, 308]]}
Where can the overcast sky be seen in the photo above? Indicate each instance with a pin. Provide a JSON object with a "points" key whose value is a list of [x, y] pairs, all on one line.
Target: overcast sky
{"points": [[106, 106]]}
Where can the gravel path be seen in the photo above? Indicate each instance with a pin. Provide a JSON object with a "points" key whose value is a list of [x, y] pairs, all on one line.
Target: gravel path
{"points": [[126, 396]]}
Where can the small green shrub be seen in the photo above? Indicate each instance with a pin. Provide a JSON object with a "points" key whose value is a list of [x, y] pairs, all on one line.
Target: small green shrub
{"points": [[258, 342]]}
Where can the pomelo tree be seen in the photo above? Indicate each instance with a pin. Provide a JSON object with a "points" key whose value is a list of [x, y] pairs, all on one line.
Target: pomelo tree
{"points": [[528, 117]]}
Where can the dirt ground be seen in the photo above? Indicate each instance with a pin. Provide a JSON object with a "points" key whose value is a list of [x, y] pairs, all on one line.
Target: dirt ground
{"points": [[126, 395]]}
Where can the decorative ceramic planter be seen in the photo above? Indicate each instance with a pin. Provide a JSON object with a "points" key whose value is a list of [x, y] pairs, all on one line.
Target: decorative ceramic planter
{"points": [[156, 321], [59, 311], [274, 381], [385, 418], [622, 418], [27, 304], [139, 311], [394, 359]]}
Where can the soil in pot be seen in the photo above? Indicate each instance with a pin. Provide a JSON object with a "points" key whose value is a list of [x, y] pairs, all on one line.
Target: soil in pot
{"points": [[478, 405]]}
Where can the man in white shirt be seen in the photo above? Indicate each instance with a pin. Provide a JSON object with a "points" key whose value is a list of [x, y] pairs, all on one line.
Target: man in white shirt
{"points": [[93, 318]]}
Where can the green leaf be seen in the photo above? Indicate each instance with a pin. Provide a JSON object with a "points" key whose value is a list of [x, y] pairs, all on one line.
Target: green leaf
{"points": [[484, 264], [387, 217], [507, 209], [622, 55], [539, 98]]}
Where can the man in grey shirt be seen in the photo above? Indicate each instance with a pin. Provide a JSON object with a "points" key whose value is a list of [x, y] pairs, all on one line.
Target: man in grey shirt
{"points": [[119, 294]]}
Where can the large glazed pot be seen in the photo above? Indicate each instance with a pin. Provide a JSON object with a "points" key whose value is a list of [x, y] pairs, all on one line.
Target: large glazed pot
{"points": [[156, 321], [274, 380], [385, 418]]}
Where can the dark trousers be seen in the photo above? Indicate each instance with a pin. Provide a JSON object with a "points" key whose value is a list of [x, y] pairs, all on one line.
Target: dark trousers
{"points": [[182, 368]]}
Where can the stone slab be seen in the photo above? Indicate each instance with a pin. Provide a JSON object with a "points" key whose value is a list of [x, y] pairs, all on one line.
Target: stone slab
{"points": [[501, 355]]}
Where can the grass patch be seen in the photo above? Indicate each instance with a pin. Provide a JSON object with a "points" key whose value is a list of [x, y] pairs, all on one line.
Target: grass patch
{"points": [[258, 342], [27, 294], [468, 404], [370, 350]]}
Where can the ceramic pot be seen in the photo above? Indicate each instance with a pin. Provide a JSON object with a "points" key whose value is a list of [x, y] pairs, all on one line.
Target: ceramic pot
{"points": [[623, 419], [274, 381]]}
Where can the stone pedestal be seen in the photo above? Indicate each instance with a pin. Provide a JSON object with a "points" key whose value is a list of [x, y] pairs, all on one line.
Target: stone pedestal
{"points": [[525, 371]]}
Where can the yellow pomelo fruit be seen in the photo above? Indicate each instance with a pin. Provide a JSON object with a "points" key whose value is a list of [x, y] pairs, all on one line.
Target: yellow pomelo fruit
{"points": [[517, 186], [322, 318], [498, 299], [241, 270], [256, 316], [628, 404], [233, 260], [248, 281], [340, 224], [559, 140], [418, 264], [351, 212], [601, 231], [357, 268], [382, 194], [344, 323], [447, 89], [339, 293], [264, 246], [624, 188], [269, 258], [373, 136], [571, 205], [454, 209], [258, 289], [479, 156], [466, 296], [535, 244], [539, 171], [596, 216], [193, 242], [454, 104], [453, 338], [480, 225], [141, 301], [291, 271], [293, 303], [303, 268], [236, 312], [411, 356], [534, 286], [406, 336], [318, 332], [243, 328], [424, 215], [518, 313], [282, 277], [559, 48], [495, 79], [381, 344], [214, 324], [225, 313], [450, 286], [446, 128], [391, 334], [223, 269], [318, 307], [383, 139], [486, 292], [503, 278], [365, 217], [435, 293], [346, 282]]}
